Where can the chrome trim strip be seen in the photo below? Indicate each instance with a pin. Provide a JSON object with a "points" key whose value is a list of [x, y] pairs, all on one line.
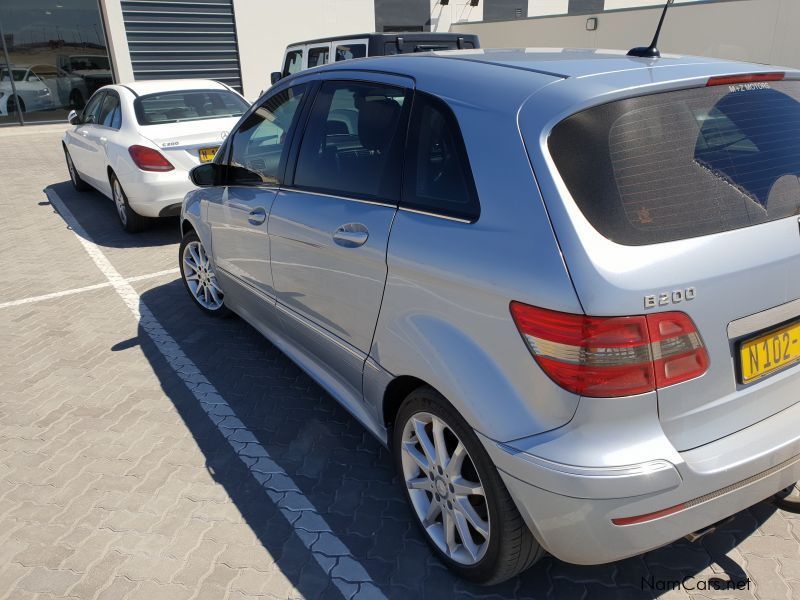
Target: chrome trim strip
{"points": [[430, 214], [295, 190], [764, 320], [320, 331]]}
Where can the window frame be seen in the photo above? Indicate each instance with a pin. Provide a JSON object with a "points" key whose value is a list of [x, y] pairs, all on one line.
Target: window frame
{"points": [[226, 155], [409, 178], [316, 48], [289, 180]]}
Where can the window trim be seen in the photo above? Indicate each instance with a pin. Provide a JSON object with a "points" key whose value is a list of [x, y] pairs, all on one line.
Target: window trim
{"points": [[289, 180], [409, 178], [291, 134]]}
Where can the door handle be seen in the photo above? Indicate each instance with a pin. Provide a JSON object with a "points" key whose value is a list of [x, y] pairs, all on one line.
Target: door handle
{"points": [[103, 140], [351, 235], [257, 216]]}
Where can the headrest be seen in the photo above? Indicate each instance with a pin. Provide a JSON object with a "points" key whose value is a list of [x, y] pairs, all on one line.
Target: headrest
{"points": [[377, 120], [334, 127]]}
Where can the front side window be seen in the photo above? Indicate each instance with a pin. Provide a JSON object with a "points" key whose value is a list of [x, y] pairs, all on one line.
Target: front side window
{"points": [[110, 112], [348, 51], [437, 177], [318, 56], [352, 143], [293, 62], [92, 109], [188, 105], [260, 145], [683, 164]]}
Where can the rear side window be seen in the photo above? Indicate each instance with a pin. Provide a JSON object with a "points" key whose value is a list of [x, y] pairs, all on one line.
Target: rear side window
{"points": [[437, 177], [110, 112], [188, 105], [346, 52], [318, 56], [684, 164], [293, 62], [92, 108], [353, 141]]}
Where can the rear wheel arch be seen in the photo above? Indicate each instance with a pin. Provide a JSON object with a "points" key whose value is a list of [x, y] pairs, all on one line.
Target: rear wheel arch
{"points": [[396, 392], [187, 227]]}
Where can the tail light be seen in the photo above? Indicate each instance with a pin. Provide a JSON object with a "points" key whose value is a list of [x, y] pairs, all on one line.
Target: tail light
{"points": [[149, 159], [606, 357]]}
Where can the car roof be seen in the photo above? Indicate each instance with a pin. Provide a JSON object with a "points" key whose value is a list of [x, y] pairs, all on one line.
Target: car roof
{"points": [[142, 88], [557, 62]]}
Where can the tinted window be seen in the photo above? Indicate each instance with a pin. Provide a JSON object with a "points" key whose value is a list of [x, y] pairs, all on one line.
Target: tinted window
{"points": [[317, 56], [109, 113], [261, 142], [684, 164], [438, 178], [188, 105], [346, 52], [352, 141], [293, 63], [92, 109]]}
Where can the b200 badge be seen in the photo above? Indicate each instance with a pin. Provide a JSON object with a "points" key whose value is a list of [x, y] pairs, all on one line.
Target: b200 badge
{"points": [[667, 298]]}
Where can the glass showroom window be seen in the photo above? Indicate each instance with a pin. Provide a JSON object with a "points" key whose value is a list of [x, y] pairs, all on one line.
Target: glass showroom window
{"points": [[53, 57]]}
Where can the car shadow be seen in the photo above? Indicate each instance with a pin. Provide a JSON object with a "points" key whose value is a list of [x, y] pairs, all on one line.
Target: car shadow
{"points": [[98, 216], [349, 477]]}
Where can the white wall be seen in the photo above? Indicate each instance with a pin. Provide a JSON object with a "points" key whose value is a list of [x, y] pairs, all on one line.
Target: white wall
{"points": [[762, 31], [457, 11], [265, 27]]}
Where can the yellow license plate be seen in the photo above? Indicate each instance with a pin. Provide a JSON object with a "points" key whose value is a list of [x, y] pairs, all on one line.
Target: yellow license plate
{"points": [[208, 154], [770, 352]]}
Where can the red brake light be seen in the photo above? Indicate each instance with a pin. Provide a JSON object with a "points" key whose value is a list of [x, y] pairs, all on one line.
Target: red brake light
{"points": [[149, 159], [751, 78], [612, 356]]}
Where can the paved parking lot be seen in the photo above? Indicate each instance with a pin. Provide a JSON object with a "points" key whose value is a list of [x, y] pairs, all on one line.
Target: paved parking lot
{"points": [[149, 452]]}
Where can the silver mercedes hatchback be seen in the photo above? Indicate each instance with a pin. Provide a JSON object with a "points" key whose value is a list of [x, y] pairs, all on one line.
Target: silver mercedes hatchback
{"points": [[559, 285]]}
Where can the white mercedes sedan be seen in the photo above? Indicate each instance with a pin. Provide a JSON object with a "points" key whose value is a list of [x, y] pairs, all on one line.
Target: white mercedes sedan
{"points": [[136, 142]]}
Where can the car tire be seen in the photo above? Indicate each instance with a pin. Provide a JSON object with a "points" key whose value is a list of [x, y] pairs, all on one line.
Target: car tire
{"points": [[78, 183], [131, 221], [508, 548], [789, 499], [13, 103], [199, 277]]}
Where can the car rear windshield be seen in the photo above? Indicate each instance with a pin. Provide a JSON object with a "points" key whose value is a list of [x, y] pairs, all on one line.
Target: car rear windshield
{"points": [[684, 164], [188, 105]]}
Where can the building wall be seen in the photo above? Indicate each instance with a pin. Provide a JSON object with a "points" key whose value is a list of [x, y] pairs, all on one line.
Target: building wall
{"points": [[442, 17], [408, 14], [762, 31], [264, 29]]}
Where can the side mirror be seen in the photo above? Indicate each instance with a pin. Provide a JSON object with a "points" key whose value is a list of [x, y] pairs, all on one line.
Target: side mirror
{"points": [[207, 175], [73, 117], [275, 77]]}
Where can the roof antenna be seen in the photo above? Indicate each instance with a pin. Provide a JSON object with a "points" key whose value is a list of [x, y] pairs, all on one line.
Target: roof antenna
{"points": [[652, 50]]}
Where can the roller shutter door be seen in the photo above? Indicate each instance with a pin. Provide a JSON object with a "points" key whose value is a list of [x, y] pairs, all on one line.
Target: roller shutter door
{"points": [[176, 39]]}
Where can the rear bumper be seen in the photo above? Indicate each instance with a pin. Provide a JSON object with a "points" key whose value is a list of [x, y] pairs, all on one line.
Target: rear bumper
{"points": [[156, 194], [570, 509]]}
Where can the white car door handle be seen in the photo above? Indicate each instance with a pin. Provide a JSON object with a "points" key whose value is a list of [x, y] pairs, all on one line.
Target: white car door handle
{"points": [[257, 216], [103, 140]]}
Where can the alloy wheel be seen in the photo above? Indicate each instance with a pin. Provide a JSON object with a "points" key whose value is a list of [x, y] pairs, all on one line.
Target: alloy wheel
{"points": [[200, 277], [119, 201], [445, 489]]}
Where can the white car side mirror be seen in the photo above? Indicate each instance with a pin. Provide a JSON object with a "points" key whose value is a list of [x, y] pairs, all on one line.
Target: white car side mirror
{"points": [[73, 117]]}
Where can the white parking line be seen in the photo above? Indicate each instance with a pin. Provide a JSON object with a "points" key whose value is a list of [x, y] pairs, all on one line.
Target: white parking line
{"points": [[335, 559], [87, 288]]}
